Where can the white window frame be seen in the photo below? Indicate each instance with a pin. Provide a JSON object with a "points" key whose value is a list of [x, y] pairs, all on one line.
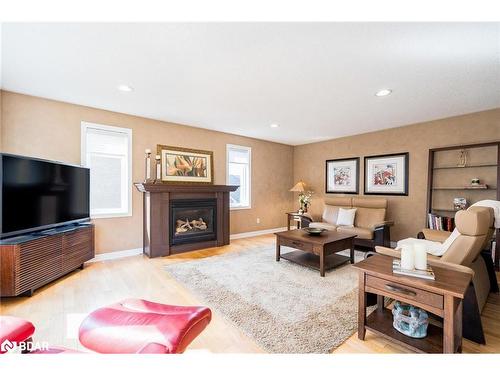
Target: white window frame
{"points": [[128, 132], [249, 150]]}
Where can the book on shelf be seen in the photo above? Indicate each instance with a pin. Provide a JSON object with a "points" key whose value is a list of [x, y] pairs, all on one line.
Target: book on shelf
{"points": [[441, 222], [427, 274]]}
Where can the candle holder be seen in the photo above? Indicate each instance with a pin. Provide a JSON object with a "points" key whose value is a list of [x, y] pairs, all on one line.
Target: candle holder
{"points": [[147, 166], [157, 179]]}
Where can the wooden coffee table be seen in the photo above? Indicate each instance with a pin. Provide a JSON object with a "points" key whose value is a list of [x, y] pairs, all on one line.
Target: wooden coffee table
{"points": [[318, 252]]}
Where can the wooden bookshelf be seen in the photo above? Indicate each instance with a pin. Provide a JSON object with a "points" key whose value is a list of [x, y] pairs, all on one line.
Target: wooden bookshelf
{"points": [[448, 180]]}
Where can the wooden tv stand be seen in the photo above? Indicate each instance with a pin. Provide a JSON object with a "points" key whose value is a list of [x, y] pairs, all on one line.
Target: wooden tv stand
{"points": [[32, 261]]}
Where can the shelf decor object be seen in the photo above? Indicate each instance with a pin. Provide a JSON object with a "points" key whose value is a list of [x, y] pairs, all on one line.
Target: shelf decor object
{"points": [[185, 165], [462, 159], [471, 172], [342, 176], [387, 174]]}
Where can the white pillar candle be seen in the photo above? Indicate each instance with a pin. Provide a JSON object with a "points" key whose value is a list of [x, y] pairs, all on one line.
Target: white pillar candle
{"points": [[158, 167], [148, 168], [148, 164], [407, 257], [420, 256]]}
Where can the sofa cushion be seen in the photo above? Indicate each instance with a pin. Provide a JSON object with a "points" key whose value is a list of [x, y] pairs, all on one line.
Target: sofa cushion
{"points": [[346, 217], [369, 202], [368, 217], [327, 226], [330, 214], [339, 201], [364, 233]]}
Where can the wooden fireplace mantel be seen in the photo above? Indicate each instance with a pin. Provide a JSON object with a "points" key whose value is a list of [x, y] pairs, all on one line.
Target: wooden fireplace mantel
{"points": [[194, 188], [156, 215]]}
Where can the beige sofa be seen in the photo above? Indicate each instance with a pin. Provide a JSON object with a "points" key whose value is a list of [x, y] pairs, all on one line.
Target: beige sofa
{"points": [[464, 254], [370, 224]]}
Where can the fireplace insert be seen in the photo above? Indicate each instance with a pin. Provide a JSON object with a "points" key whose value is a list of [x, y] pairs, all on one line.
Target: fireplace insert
{"points": [[192, 220]]}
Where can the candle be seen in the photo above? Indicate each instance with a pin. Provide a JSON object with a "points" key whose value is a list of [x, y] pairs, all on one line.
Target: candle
{"points": [[158, 168], [420, 256], [148, 164], [407, 257]]}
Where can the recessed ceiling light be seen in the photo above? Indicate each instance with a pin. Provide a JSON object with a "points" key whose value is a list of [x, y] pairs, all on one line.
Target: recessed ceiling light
{"points": [[383, 92], [125, 88], [274, 126]]}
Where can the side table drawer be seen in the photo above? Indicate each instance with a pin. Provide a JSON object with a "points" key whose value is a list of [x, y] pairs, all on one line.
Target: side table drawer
{"points": [[296, 244], [407, 292]]}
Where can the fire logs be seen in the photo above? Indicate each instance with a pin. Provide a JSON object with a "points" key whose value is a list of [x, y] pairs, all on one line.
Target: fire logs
{"points": [[186, 225]]}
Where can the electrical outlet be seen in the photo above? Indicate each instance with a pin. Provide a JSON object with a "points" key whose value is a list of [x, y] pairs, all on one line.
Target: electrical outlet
{"points": [[258, 220]]}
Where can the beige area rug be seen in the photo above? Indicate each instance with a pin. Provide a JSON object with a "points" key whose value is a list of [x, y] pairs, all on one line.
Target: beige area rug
{"points": [[284, 307]]}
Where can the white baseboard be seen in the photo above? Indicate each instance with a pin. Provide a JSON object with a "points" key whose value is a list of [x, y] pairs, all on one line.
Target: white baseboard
{"points": [[116, 255], [256, 233], [138, 251]]}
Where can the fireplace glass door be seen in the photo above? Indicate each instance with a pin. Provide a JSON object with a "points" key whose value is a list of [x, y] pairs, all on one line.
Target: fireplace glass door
{"points": [[192, 220]]}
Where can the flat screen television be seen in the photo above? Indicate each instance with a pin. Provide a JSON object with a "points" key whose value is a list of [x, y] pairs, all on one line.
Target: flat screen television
{"points": [[41, 194]]}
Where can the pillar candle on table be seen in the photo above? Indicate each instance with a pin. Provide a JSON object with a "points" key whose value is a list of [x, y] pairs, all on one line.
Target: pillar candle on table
{"points": [[407, 257], [420, 256]]}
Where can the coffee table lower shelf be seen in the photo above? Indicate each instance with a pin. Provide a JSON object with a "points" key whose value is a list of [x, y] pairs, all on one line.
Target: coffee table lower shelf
{"points": [[380, 323], [312, 260]]}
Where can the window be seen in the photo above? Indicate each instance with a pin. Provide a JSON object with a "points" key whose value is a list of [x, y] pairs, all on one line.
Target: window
{"points": [[106, 150], [238, 173]]}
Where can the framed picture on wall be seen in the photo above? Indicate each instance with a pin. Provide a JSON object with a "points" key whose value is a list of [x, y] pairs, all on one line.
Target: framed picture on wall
{"points": [[342, 176], [185, 165], [387, 174]]}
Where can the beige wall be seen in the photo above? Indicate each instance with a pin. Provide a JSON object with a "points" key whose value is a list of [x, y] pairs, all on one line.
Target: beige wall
{"points": [[49, 129], [407, 212]]}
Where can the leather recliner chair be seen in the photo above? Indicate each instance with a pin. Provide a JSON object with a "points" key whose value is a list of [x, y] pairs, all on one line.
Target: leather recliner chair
{"points": [[464, 254]]}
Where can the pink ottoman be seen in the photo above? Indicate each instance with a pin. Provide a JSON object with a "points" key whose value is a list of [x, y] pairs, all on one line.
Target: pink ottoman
{"points": [[139, 326]]}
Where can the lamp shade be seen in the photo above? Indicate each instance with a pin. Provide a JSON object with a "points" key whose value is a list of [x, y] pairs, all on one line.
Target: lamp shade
{"points": [[299, 186]]}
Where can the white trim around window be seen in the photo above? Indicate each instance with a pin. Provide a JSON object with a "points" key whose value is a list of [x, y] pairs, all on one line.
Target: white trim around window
{"points": [[247, 176], [126, 156]]}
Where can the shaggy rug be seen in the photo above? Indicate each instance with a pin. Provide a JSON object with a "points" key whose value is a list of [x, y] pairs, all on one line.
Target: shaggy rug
{"points": [[284, 307]]}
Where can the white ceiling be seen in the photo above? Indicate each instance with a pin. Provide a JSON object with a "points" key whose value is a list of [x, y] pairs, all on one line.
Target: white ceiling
{"points": [[316, 80]]}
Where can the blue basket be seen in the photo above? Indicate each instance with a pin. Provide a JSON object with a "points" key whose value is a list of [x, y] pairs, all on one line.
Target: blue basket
{"points": [[410, 320]]}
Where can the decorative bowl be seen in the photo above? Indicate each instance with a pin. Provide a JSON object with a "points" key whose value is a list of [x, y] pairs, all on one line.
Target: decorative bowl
{"points": [[314, 231]]}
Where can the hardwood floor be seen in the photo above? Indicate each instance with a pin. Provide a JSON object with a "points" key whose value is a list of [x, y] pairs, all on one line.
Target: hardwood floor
{"points": [[57, 309]]}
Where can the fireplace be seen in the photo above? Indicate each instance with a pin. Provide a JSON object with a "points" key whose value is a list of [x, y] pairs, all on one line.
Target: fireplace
{"points": [[192, 220], [179, 218]]}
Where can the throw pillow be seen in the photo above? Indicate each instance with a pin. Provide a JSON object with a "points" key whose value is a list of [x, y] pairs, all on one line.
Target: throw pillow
{"points": [[346, 217]]}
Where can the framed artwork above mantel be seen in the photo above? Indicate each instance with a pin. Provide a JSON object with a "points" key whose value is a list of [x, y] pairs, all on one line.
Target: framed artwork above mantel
{"points": [[185, 165], [387, 174]]}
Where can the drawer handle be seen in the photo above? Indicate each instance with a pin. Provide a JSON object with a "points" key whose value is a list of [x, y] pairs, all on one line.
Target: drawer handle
{"points": [[398, 289]]}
